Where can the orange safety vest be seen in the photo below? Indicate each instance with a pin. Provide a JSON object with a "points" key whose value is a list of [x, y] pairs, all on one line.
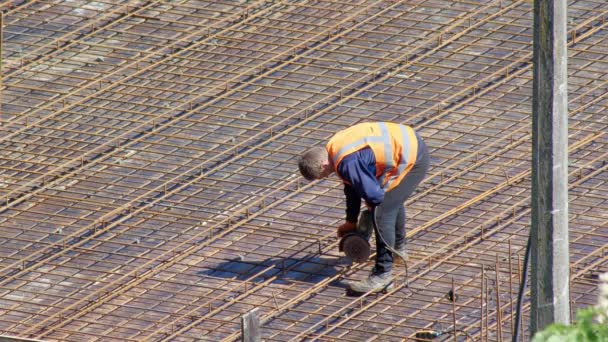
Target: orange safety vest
{"points": [[395, 148]]}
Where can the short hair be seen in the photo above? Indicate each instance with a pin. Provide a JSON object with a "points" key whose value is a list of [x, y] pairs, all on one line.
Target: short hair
{"points": [[311, 161]]}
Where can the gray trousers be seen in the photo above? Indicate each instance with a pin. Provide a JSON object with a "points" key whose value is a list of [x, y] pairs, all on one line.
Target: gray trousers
{"points": [[390, 214]]}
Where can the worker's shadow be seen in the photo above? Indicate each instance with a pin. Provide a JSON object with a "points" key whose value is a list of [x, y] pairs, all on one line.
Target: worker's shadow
{"points": [[310, 269]]}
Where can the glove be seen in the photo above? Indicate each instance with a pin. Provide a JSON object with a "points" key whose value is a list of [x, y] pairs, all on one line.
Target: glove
{"points": [[345, 228]]}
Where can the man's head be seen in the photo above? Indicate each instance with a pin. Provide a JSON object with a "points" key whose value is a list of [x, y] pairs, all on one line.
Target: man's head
{"points": [[314, 164]]}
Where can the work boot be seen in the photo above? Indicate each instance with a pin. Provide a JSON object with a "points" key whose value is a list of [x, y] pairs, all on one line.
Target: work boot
{"points": [[374, 283], [397, 259]]}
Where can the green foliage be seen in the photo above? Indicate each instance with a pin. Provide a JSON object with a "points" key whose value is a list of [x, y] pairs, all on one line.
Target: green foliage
{"points": [[586, 329]]}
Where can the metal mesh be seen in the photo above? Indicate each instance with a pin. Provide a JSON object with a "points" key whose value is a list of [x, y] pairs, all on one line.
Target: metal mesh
{"points": [[148, 181]]}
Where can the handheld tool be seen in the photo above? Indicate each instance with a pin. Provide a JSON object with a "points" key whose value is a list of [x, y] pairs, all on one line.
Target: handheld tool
{"points": [[355, 244]]}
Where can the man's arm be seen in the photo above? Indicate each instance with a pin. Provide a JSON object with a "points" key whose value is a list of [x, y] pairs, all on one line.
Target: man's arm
{"points": [[359, 169], [353, 203]]}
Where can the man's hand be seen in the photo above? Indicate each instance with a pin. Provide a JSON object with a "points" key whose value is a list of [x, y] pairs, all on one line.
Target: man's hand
{"points": [[345, 228]]}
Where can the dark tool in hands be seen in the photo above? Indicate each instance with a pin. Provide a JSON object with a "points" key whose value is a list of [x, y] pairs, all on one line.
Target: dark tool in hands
{"points": [[355, 244]]}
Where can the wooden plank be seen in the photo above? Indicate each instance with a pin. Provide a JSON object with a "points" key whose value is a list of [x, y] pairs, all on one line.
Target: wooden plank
{"points": [[250, 327], [549, 231]]}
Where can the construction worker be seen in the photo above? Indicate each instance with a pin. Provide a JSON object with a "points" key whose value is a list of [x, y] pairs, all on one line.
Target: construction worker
{"points": [[382, 163]]}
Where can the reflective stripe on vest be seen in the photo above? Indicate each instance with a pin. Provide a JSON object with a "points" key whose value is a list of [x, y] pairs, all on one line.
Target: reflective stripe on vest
{"points": [[388, 154], [409, 151], [395, 147]]}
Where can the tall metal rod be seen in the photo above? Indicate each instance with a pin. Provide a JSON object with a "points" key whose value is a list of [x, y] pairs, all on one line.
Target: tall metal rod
{"points": [[512, 316], [498, 310], [549, 231], [481, 297], [454, 311], [520, 295], [487, 318]]}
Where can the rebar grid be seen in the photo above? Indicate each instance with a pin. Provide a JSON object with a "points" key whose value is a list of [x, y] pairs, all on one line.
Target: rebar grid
{"points": [[148, 181]]}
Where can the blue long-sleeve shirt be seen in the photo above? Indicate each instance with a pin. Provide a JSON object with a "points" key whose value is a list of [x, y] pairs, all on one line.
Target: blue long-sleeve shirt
{"points": [[359, 169]]}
